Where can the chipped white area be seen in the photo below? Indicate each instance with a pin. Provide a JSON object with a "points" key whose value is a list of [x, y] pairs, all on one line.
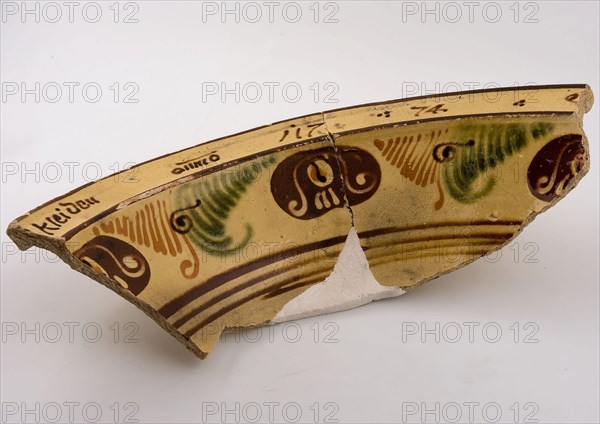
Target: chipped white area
{"points": [[351, 284]]}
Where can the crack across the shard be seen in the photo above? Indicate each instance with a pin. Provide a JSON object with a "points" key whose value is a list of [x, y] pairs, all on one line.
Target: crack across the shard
{"points": [[339, 166], [355, 240]]}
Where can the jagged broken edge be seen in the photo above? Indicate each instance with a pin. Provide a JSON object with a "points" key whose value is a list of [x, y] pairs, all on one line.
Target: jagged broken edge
{"points": [[24, 238]]}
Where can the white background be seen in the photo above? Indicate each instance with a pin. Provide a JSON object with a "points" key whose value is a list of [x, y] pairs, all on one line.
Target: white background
{"points": [[363, 365]]}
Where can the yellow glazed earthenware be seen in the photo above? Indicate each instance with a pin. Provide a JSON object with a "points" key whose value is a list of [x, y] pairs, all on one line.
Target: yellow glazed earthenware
{"points": [[225, 234]]}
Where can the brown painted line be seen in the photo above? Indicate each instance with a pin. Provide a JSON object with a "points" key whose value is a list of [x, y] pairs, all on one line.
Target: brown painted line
{"points": [[219, 167], [488, 236], [190, 177], [146, 162], [234, 290], [389, 252], [174, 305], [445, 118], [218, 314], [284, 290], [218, 280], [462, 93], [394, 160], [406, 99], [425, 161], [391, 230], [405, 147], [281, 289], [387, 148], [298, 279], [468, 252], [277, 289], [196, 158]]}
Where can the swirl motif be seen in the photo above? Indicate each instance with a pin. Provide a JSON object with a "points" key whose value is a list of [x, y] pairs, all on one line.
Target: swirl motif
{"points": [[150, 226], [309, 184], [555, 165], [180, 221], [118, 260]]}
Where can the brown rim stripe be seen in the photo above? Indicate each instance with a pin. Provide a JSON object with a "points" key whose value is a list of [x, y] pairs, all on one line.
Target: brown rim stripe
{"points": [[190, 177], [253, 281], [284, 290], [466, 251], [155, 190], [455, 117], [237, 304], [487, 236], [460, 93], [216, 281], [234, 290], [382, 253], [280, 288], [405, 99], [390, 230], [175, 305]]}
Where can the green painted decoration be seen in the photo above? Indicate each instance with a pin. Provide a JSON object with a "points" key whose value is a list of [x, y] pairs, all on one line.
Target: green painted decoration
{"points": [[203, 208], [481, 148]]}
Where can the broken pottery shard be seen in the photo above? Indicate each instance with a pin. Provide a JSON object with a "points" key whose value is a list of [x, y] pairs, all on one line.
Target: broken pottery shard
{"points": [[246, 230]]}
